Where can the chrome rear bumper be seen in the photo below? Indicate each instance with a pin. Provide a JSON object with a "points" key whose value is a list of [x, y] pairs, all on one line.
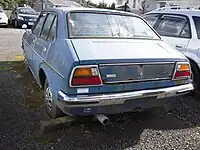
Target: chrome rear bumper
{"points": [[120, 98]]}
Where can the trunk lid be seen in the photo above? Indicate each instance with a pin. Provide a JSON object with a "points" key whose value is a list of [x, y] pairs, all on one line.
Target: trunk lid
{"points": [[127, 60], [123, 49]]}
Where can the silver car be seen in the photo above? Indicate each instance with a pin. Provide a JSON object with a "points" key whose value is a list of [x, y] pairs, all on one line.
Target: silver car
{"points": [[181, 29]]}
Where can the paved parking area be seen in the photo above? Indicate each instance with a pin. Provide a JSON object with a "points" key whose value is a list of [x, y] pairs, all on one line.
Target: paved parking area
{"points": [[21, 110]]}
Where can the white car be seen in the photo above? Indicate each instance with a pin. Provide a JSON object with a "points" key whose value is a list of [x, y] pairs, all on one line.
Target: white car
{"points": [[3, 18], [180, 27]]}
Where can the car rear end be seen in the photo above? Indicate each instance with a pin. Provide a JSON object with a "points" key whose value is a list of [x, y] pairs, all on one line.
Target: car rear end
{"points": [[3, 18], [127, 71]]}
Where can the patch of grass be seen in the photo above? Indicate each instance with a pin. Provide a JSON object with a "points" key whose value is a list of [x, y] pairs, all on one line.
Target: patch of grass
{"points": [[49, 138], [33, 93]]}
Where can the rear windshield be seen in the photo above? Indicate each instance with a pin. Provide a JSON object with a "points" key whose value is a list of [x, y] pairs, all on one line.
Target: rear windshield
{"points": [[27, 11], [197, 25], [97, 25]]}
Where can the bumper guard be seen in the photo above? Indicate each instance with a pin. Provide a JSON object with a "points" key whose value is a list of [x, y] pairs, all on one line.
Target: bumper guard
{"points": [[120, 98]]}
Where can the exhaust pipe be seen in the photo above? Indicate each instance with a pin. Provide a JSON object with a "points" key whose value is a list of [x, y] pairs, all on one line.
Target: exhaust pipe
{"points": [[103, 119]]}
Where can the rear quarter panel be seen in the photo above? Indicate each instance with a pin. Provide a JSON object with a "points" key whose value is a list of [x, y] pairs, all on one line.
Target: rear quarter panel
{"points": [[60, 59], [58, 65]]}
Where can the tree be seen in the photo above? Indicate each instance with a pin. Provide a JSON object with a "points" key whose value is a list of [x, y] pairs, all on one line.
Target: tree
{"points": [[32, 2], [7, 4], [112, 6], [102, 5], [144, 6]]}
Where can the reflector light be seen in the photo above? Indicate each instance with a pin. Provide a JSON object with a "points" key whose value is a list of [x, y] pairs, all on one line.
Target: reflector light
{"points": [[85, 72], [82, 72], [182, 74], [183, 67], [86, 81]]}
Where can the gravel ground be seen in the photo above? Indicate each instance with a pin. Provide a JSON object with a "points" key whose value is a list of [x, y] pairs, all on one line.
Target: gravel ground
{"points": [[19, 117]]}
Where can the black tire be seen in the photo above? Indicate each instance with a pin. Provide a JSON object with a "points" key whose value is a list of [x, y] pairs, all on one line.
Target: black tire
{"points": [[55, 111], [195, 78], [10, 21], [16, 24]]}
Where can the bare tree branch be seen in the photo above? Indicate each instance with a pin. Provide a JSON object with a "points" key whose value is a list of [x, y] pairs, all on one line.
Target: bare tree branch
{"points": [[144, 6]]}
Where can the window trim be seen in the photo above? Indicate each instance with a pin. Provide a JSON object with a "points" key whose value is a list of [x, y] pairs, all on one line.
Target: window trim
{"points": [[198, 36], [55, 15], [174, 15], [159, 16], [104, 12], [38, 19]]}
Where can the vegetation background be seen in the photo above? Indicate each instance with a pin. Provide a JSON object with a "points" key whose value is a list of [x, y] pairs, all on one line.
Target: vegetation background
{"points": [[10, 4]]}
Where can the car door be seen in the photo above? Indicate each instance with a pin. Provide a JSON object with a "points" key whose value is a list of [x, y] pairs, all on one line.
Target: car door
{"points": [[44, 42], [31, 40], [175, 30]]}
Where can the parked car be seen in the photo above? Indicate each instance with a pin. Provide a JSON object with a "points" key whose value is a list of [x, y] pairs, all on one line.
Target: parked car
{"points": [[97, 62], [23, 16], [181, 29], [3, 18]]}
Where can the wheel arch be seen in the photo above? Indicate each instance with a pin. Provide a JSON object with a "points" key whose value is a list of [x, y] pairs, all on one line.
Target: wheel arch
{"points": [[42, 77], [193, 62]]}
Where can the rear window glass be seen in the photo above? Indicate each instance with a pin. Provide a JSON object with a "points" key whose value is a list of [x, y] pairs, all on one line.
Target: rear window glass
{"points": [[97, 25], [151, 19], [197, 25]]}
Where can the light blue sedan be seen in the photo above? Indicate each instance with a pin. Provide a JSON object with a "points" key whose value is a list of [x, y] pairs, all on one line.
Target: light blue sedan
{"points": [[99, 62]]}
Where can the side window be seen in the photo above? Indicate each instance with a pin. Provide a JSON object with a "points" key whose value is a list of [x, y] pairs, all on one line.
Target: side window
{"points": [[197, 25], [38, 26], [151, 18], [47, 26], [53, 31], [174, 26], [186, 31]]}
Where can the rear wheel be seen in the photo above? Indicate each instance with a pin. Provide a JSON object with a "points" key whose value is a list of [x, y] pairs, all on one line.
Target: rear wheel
{"points": [[16, 24], [195, 78], [51, 108]]}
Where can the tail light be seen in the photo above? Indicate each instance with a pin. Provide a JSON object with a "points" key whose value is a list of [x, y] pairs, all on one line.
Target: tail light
{"points": [[182, 71], [85, 76]]}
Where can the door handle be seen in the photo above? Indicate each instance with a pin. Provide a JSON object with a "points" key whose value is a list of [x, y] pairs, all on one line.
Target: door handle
{"points": [[179, 46], [33, 40]]}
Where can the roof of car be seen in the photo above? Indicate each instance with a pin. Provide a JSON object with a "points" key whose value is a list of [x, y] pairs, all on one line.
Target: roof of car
{"points": [[67, 9], [24, 8], [188, 12]]}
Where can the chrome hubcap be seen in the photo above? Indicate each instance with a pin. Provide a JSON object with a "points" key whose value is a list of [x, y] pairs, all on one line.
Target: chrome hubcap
{"points": [[48, 99]]}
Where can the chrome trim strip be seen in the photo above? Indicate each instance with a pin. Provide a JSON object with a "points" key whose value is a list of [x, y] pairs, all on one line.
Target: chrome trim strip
{"points": [[146, 63], [142, 80], [120, 98]]}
